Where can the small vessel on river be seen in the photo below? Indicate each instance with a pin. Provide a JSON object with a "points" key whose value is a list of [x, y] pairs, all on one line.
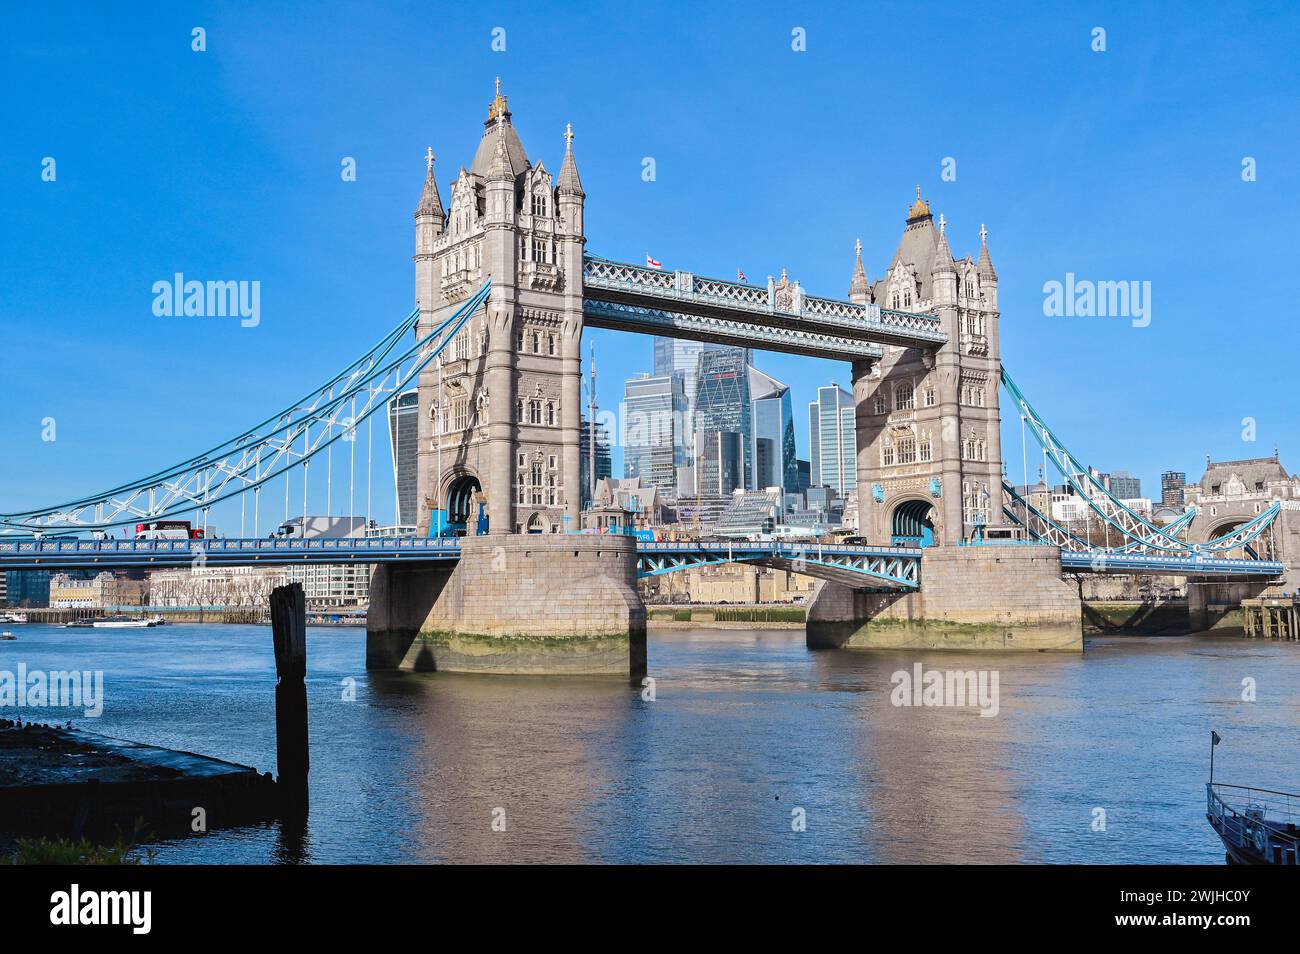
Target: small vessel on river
{"points": [[1257, 826], [127, 622]]}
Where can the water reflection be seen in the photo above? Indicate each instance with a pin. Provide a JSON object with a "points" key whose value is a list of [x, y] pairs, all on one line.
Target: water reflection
{"points": [[748, 731]]}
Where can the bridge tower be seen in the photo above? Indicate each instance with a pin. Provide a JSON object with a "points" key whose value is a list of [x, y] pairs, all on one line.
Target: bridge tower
{"points": [[928, 427], [499, 414]]}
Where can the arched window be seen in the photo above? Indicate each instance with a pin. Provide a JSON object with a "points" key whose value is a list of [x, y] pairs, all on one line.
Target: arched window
{"points": [[903, 397], [887, 453], [881, 405]]}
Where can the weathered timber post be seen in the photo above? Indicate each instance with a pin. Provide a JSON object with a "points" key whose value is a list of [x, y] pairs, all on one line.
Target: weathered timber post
{"points": [[289, 632]]}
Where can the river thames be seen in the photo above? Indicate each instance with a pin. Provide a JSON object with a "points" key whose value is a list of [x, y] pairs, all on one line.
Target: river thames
{"points": [[748, 733]]}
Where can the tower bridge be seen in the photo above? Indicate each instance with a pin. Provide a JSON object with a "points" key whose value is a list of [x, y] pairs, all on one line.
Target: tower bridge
{"points": [[504, 286]]}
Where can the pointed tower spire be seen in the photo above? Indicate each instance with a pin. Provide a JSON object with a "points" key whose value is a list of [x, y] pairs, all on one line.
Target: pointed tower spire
{"points": [[430, 201], [569, 183], [502, 167], [859, 288], [943, 262], [985, 263]]}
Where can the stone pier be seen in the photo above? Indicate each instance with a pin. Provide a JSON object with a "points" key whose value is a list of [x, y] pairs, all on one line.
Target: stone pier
{"points": [[971, 598], [515, 603]]}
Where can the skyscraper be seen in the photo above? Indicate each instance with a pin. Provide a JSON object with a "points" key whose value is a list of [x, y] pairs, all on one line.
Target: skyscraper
{"points": [[1124, 486], [1172, 483], [772, 450], [681, 358], [604, 466], [723, 406], [832, 432], [403, 436], [654, 409]]}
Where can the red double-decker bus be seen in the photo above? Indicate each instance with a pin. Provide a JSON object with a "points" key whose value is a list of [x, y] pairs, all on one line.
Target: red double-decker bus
{"points": [[168, 530]]}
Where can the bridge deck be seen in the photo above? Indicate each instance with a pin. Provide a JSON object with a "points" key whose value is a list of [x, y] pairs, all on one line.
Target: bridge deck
{"points": [[890, 566]]}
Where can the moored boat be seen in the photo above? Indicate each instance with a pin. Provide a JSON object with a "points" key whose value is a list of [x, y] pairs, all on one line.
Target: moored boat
{"points": [[1257, 826]]}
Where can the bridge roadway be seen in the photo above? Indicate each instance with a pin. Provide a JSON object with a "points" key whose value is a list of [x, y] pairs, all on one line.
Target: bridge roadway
{"points": [[888, 567]]}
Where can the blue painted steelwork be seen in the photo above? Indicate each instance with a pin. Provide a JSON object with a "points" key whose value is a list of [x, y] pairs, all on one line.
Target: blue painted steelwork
{"points": [[1046, 530], [898, 567], [261, 454], [1112, 510], [891, 567], [1200, 565], [22, 554]]}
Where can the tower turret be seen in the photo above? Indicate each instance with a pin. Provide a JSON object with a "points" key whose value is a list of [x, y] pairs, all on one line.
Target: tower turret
{"points": [[943, 272], [429, 222], [988, 277], [859, 287], [569, 188]]}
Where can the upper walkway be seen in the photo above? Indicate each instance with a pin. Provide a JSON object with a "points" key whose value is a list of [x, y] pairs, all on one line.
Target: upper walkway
{"points": [[628, 297]]}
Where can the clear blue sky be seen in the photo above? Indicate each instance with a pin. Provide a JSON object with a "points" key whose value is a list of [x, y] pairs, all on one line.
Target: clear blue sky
{"points": [[225, 165]]}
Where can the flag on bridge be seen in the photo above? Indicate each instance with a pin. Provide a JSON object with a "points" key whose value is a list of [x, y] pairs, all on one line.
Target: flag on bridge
{"points": [[741, 276], [652, 263]]}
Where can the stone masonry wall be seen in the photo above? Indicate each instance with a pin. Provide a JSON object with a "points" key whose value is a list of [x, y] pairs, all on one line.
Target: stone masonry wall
{"points": [[527, 603], [988, 597]]}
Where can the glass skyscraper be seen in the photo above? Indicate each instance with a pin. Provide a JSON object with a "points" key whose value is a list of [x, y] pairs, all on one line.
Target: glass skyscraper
{"points": [[772, 450], [681, 358], [654, 411], [403, 434], [723, 406], [832, 432], [604, 467]]}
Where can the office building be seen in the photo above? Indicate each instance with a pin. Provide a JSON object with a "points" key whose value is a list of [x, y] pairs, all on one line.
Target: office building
{"points": [[1172, 483], [404, 438], [654, 410], [772, 451], [832, 434], [604, 465]]}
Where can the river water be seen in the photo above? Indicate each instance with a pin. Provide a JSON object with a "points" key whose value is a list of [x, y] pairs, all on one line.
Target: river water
{"points": [[748, 733]]}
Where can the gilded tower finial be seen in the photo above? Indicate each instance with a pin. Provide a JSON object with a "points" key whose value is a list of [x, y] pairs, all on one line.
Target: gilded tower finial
{"points": [[499, 105], [920, 208]]}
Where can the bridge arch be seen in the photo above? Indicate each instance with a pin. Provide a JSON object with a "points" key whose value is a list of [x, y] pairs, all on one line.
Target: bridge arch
{"points": [[912, 523], [462, 511], [1261, 548]]}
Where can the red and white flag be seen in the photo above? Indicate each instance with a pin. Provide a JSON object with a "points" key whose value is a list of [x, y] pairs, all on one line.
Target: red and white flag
{"points": [[741, 276], [652, 263]]}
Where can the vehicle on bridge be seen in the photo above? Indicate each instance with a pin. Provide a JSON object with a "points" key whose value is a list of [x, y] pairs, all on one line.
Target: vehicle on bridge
{"points": [[168, 530]]}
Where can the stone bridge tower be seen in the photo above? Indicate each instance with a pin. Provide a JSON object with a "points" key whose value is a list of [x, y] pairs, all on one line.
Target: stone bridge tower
{"points": [[928, 427], [499, 414]]}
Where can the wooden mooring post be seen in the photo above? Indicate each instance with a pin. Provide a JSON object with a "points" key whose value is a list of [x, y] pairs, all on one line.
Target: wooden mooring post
{"points": [[1271, 618], [289, 632]]}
